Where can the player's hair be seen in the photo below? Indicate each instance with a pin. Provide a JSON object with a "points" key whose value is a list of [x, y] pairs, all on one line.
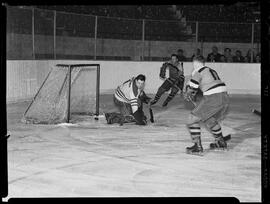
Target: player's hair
{"points": [[174, 55], [140, 77], [199, 59]]}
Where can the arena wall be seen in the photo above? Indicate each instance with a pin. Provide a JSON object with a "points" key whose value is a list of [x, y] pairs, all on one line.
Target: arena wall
{"points": [[19, 46], [24, 77]]}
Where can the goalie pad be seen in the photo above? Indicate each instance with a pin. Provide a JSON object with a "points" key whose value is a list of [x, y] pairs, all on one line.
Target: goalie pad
{"points": [[118, 118], [113, 117]]}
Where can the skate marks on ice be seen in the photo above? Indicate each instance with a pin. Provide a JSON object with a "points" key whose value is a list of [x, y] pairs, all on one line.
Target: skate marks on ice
{"points": [[133, 160]]}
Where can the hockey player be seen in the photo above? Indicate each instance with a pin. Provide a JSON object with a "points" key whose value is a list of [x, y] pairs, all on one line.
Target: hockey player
{"points": [[210, 110], [129, 97], [175, 81]]}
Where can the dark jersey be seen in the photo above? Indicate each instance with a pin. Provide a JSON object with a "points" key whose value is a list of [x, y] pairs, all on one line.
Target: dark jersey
{"points": [[175, 70]]}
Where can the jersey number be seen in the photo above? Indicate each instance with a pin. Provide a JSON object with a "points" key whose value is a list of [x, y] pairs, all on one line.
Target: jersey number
{"points": [[214, 74]]}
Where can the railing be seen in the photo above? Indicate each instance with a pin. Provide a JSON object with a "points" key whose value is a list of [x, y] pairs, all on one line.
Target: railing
{"points": [[44, 34]]}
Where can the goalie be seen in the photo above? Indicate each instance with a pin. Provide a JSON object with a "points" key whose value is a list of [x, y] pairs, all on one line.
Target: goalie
{"points": [[129, 98], [175, 81]]}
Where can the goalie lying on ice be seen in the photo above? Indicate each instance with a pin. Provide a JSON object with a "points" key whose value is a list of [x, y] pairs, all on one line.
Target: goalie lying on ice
{"points": [[129, 98]]}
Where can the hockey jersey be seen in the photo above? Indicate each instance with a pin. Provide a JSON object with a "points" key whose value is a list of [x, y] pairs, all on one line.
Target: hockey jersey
{"points": [[128, 92], [175, 70], [207, 80]]}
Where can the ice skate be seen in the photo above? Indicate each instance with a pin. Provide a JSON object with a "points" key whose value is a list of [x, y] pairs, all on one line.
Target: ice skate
{"points": [[219, 144], [195, 149], [165, 104]]}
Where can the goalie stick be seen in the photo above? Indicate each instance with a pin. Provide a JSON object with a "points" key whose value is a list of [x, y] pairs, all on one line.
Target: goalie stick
{"points": [[151, 114]]}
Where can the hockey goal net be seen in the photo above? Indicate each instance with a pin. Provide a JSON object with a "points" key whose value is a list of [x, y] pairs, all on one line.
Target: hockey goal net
{"points": [[68, 89]]}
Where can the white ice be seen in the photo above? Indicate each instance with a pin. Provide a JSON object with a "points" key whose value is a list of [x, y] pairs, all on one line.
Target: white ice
{"points": [[92, 159]]}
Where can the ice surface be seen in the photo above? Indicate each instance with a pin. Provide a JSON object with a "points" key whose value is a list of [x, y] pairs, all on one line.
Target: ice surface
{"points": [[89, 158]]}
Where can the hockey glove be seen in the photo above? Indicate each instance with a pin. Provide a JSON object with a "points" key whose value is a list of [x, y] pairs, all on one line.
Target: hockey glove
{"points": [[190, 93], [139, 117], [162, 73], [162, 76], [144, 98]]}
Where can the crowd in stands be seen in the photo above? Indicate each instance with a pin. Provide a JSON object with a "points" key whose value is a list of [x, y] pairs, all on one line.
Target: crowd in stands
{"points": [[160, 12], [229, 30], [221, 13], [208, 16], [206, 13], [227, 56]]}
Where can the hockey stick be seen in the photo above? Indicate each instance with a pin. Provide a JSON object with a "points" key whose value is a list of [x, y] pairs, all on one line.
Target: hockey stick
{"points": [[256, 112], [151, 114], [189, 99]]}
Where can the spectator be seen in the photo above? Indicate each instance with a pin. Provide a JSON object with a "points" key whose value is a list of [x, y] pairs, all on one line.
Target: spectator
{"points": [[258, 58], [246, 59], [222, 58], [248, 56], [197, 54], [139, 12], [227, 54], [180, 55], [214, 56], [238, 56]]}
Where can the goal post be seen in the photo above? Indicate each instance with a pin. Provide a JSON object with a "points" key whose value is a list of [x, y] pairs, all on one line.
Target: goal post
{"points": [[70, 67], [68, 89]]}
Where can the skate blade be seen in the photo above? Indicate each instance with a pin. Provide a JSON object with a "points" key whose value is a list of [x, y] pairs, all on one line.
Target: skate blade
{"points": [[195, 153]]}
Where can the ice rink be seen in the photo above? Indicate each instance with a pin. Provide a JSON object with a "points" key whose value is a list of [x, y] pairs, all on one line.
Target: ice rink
{"points": [[90, 158]]}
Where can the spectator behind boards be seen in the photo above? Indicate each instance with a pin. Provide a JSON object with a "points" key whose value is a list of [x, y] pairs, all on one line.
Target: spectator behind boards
{"points": [[258, 58], [214, 56], [228, 55], [248, 56], [238, 57], [180, 55], [197, 54]]}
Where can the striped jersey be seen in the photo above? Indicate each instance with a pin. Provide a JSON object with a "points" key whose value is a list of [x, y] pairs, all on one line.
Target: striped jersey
{"points": [[128, 92], [207, 80]]}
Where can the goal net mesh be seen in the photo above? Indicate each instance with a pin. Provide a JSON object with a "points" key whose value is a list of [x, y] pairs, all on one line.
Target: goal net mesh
{"points": [[51, 104]]}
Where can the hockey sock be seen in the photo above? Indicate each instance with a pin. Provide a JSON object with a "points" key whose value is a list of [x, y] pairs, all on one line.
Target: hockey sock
{"points": [[216, 131], [157, 96], [219, 141], [170, 97], [195, 133]]}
